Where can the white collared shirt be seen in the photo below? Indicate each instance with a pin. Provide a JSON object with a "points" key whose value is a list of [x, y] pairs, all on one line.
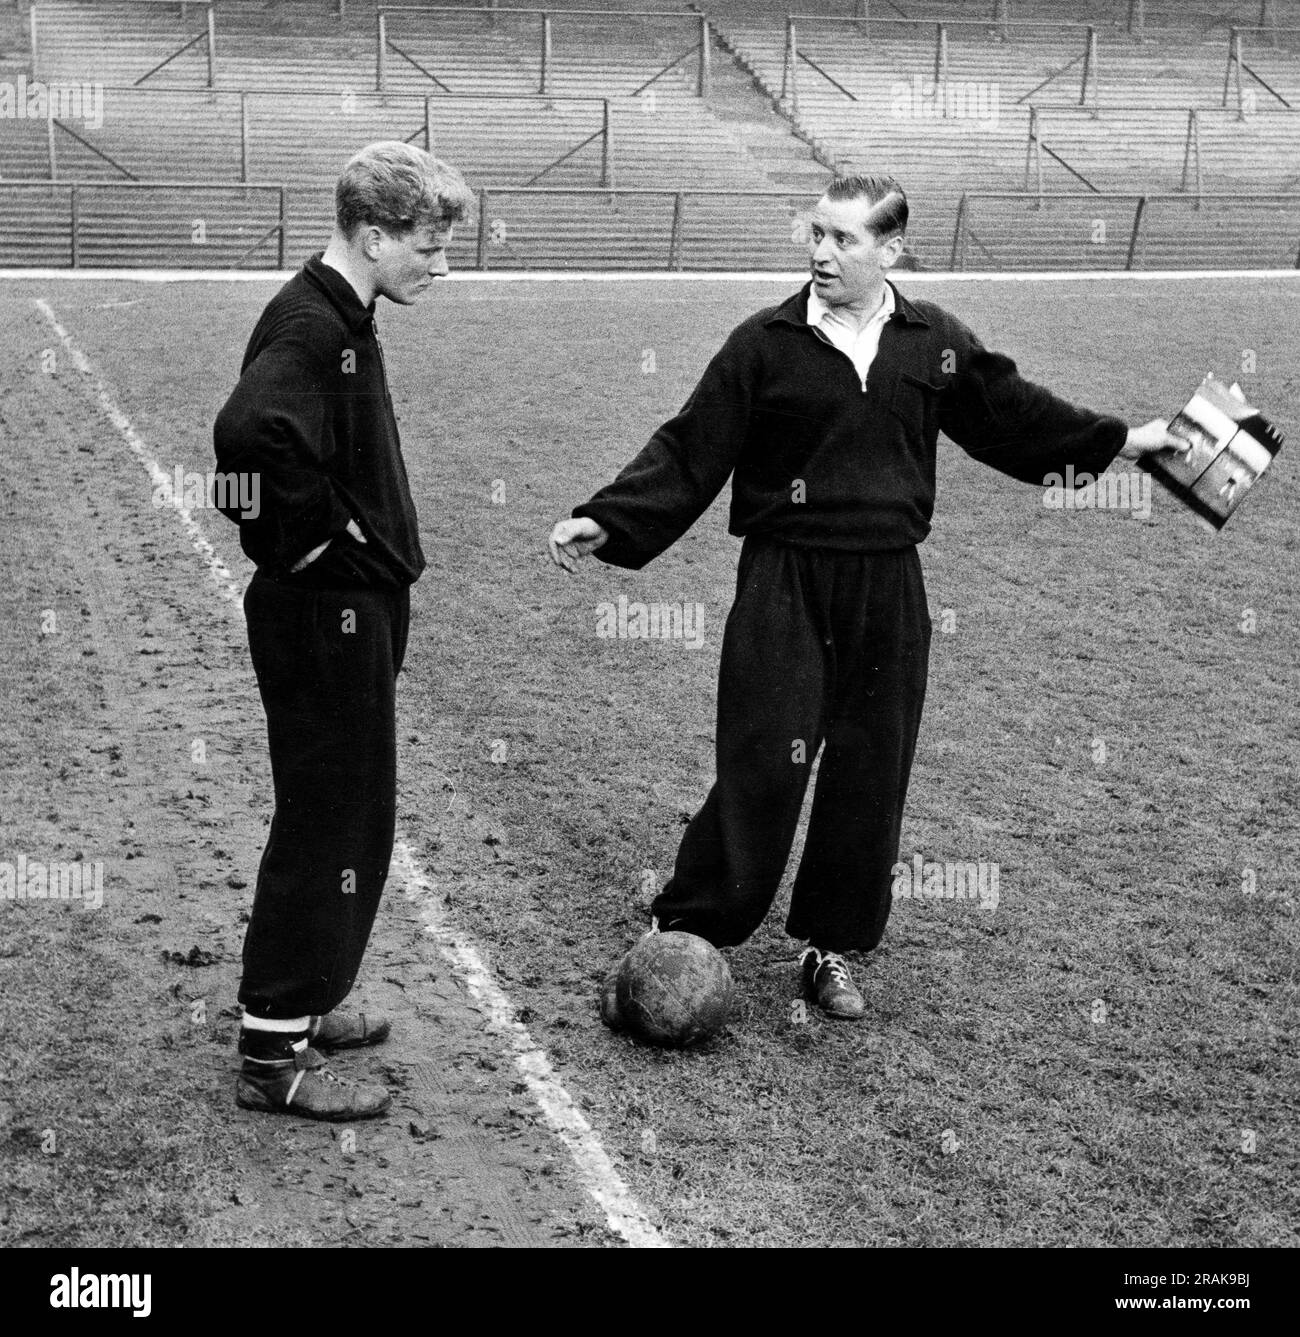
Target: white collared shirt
{"points": [[858, 345]]}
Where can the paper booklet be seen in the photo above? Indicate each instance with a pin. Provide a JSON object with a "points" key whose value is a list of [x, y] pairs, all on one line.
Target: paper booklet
{"points": [[1229, 445]]}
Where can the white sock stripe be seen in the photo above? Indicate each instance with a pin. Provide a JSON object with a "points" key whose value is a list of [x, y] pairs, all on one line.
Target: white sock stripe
{"points": [[273, 1025]]}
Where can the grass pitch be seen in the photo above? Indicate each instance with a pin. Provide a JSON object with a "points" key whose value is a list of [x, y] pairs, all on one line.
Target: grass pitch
{"points": [[1106, 1058]]}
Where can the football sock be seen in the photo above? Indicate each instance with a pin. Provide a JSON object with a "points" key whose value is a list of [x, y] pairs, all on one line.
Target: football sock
{"points": [[272, 1039], [292, 1026]]}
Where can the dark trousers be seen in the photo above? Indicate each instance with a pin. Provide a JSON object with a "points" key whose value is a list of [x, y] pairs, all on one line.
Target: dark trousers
{"points": [[819, 647], [326, 664]]}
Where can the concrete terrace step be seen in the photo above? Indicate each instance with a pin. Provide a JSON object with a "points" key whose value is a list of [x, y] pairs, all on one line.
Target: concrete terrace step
{"points": [[295, 138], [669, 138], [1133, 145], [1160, 73]]}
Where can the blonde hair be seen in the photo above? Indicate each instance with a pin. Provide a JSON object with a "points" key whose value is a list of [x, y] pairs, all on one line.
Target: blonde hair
{"points": [[395, 186]]}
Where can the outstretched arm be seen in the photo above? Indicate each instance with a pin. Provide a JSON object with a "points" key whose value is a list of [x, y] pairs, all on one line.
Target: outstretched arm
{"points": [[1023, 429], [675, 478]]}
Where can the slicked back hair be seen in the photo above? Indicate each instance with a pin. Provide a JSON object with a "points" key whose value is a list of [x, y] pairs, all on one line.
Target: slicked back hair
{"points": [[888, 216], [398, 187]]}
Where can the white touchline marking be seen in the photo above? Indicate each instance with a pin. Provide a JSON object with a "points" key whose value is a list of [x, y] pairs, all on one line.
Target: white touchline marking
{"points": [[595, 1169], [597, 1172], [227, 586]]}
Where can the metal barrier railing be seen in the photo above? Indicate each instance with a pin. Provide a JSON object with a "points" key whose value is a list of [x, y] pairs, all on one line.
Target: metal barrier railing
{"points": [[1191, 178], [667, 246], [546, 38], [424, 106], [1186, 15], [794, 55], [1034, 150], [1172, 14], [672, 245], [963, 234], [384, 43], [1237, 67], [1001, 20], [76, 190], [1088, 56], [207, 34], [677, 232]]}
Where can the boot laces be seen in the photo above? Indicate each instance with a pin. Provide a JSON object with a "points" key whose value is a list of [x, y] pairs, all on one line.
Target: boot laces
{"points": [[836, 967]]}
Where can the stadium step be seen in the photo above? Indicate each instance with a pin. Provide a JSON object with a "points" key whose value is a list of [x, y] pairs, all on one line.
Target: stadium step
{"points": [[308, 79]]}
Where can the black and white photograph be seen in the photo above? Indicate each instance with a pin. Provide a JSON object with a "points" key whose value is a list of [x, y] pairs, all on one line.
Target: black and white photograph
{"points": [[1224, 445], [591, 659]]}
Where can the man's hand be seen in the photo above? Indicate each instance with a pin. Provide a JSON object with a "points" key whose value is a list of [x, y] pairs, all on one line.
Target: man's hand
{"points": [[572, 539], [1150, 437]]}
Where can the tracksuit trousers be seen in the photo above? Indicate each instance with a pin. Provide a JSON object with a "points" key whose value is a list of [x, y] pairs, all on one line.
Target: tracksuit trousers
{"points": [[820, 647], [326, 662]]}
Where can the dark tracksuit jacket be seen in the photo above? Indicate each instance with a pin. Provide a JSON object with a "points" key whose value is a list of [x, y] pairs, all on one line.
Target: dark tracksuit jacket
{"points": [[832, 489], [312, 419]]}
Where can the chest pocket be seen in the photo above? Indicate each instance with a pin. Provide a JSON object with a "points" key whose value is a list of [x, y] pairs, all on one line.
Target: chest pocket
{"points": [[915, 401]]}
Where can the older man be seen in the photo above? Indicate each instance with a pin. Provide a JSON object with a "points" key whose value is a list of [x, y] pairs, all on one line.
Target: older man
{"points": [[827, 409], [337, 549]]}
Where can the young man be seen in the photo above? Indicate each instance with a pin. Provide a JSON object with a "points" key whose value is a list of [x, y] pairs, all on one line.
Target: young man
{"points": [[337, 549], [827, 409]]}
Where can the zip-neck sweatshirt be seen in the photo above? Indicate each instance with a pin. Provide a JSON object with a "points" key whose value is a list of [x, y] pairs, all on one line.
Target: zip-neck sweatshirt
{"points": [[821, 462], [311, 418]]}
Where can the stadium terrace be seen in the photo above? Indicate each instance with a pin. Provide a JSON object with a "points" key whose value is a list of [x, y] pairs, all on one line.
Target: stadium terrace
{"points": [[954, 100]]}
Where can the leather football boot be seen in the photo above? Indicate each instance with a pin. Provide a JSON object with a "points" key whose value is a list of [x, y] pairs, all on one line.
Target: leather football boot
{"points": [[303, 1084], [347, 1030], [827, 982]]}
